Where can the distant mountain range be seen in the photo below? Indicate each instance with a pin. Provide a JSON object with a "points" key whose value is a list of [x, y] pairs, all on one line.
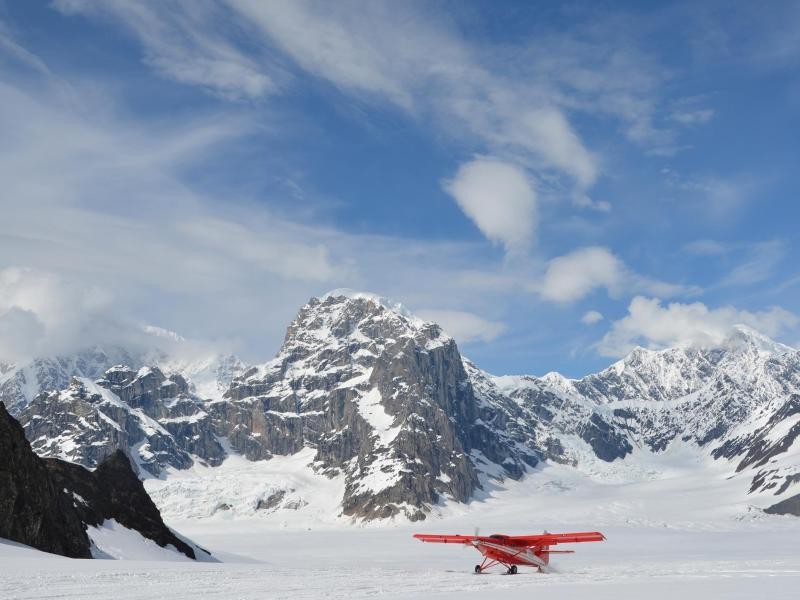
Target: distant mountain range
{"points": [[386, 402]]}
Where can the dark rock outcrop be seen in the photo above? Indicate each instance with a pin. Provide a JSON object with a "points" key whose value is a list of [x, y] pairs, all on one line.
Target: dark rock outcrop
{"points": [[113, 491], [34, 510], [790, 506], [48, 503]]}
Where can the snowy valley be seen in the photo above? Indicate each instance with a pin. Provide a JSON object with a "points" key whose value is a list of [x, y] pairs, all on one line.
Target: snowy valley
{"points": [[369, 425]]}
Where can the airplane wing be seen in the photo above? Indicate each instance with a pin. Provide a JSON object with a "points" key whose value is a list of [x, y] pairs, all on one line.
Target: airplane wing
{"points": [[551, 539], [545, 539], [444, 539]]}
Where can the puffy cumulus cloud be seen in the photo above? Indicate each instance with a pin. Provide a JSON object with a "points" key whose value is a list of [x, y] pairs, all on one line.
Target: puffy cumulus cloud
{"points": [[591, 317], [499, 199], [573, 276], [649, 323], [40, 312], [464, 326]]}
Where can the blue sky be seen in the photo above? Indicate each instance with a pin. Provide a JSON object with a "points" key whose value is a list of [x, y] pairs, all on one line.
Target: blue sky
{"points": [[554, 183]]}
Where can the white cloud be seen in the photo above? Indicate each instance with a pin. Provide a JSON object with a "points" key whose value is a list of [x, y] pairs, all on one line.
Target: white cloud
{"points": [[584, 201], [108, 205], [281, 254], [464, 326], [548, 130], [719, 197], [573, 276], [706, 248], [40, 312], [762, 258], [591, 317], [11, 48], [650, 324], [179, 43], [363, 50], [693, 116], [499, 199], [757, 261], [352, 48]]}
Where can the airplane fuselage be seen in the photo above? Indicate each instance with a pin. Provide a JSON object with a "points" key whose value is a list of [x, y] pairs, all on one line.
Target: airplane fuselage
{"points": [[538, 557]]}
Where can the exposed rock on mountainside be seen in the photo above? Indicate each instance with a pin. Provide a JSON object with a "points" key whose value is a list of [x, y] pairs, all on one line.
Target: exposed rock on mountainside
{"points": [[113, 491], [386, 401], [48, 503], [207, 376], [33, 510], [737, 401], [790, 506], [144, 412], [19, 384], [382, 396]]}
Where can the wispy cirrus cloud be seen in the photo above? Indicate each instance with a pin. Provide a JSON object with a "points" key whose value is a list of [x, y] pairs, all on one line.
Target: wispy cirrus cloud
{"points": [[516, 109], [179, 43], [103, 231]]}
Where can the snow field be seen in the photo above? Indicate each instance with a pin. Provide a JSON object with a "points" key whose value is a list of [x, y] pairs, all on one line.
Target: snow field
{"points": [[677, 529]]}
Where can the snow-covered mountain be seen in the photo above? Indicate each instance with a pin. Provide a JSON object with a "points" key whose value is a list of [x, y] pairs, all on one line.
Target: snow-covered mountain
{"points": [[209, 374], [384, 403], [156, 419]]}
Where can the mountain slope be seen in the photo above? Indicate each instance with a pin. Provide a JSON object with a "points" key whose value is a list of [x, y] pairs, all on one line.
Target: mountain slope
{"points": [[154, 418], [735, 402], [207, 374], [33, 510], [384, 402], [51, 504]]}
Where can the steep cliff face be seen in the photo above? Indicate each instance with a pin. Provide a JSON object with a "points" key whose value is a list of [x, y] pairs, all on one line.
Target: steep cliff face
{"points": [[34, 510], [384, 399]]}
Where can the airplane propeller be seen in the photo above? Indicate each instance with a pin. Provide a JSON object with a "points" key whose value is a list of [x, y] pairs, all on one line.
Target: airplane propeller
{"points": [[474, 537]]}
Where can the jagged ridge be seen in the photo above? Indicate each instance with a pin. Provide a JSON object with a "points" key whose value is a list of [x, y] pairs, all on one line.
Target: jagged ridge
{"points": [[386, 401]]}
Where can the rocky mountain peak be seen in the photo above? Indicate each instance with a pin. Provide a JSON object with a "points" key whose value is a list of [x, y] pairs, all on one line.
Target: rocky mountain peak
{"points": [[357, 317], [743, 337], [384, 399]]}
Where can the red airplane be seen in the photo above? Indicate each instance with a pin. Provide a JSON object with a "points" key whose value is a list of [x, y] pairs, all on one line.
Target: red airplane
{"points": [[510, 551]]}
